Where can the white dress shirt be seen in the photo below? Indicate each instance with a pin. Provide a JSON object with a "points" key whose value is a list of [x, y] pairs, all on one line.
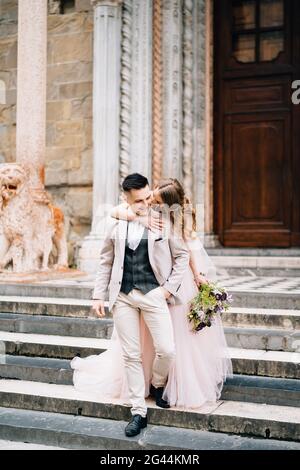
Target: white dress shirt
{"points": [[135, 233]]}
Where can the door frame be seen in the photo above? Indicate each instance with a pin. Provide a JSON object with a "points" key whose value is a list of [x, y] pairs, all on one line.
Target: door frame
{"points": [[219, 27]]}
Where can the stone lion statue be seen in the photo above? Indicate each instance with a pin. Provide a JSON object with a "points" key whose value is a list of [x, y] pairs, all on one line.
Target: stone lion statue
{"points": [[33, 228]]}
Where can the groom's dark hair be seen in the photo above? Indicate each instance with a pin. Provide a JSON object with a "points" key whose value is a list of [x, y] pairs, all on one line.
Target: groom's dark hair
{"points": [[134, 181]]}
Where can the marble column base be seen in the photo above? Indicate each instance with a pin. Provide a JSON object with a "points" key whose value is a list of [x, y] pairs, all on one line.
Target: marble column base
{"points": [[88, 253], [210, 240]]}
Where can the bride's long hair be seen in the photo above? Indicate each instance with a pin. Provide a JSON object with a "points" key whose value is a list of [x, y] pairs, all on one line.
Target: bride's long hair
{"points": [[182, 213]]}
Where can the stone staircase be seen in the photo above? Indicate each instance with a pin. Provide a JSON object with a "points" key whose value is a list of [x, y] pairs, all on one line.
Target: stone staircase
{"points": [[253, 262], [44, 325]]}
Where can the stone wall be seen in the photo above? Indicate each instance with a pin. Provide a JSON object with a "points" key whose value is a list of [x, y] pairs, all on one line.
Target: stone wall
{"points": [[69, 107], [8, 74]]}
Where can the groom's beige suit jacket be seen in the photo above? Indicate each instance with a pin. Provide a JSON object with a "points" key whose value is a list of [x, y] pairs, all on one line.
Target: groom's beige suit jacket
{"points": [[168, 256]]}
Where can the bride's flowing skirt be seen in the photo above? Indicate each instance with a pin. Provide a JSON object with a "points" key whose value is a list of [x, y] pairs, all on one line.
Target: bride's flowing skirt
{"points": [[201, 365], [104, 374], [202, 361]]}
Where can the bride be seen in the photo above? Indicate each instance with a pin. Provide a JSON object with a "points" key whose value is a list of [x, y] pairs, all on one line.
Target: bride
{"points": [[202, 362]]}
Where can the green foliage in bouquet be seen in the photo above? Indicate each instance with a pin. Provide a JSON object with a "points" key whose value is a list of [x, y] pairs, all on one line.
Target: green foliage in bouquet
{"points": [[210, 301]]}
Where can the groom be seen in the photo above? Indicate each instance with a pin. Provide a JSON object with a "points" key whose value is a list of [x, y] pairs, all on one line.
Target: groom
{"points": [[142, 272]]}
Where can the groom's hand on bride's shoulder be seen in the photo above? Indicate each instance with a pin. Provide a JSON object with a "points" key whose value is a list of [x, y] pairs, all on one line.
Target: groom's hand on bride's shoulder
{"points": [[98, 308]]}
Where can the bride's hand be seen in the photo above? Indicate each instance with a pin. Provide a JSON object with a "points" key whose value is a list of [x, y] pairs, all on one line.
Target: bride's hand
{"points": [[152, 221], [199, 279]]}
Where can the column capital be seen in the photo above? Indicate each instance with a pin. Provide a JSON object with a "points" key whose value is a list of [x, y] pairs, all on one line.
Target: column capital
{"points": [[106, 3]]}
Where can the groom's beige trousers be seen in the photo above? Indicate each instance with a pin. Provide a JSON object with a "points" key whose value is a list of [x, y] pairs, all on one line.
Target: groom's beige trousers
{"points": [[126, 314]]}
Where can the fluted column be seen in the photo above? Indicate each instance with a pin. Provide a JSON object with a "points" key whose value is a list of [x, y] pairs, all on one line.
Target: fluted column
{"points": [[31, 88], [106, 105], [106, 124]]}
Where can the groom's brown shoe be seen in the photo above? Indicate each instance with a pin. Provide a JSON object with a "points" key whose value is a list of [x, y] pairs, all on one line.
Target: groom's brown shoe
{"points": [[157, 393]]}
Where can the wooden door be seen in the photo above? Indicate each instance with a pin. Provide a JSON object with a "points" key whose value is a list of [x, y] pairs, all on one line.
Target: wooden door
{"points": [[256, 124]]}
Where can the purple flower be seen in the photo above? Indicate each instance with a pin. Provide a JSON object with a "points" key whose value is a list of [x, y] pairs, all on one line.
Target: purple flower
{"points": [[200, 326], [210, 301]]}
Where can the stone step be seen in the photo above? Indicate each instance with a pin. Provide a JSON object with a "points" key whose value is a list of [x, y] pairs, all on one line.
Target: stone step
{"points": [[74, 299], [259, 420], [245, 361], [256, 263], [80, 432], [266, 363], [258, 271], [273, 391], [15, 445], [239, 333], [269, 339], [50, 306], [50, 346], [269, 318], [16, 314], [52, 290], [254, 252], [36, 369], [268, 390], [264, 298], [53, 325]]}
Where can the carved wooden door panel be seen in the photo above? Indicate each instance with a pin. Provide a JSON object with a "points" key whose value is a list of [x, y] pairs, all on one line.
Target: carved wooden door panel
{"points": [[256, 125]]}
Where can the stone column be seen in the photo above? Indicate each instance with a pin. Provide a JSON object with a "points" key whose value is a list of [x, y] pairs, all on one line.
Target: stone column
{"points": [[210, 239], [202, 125], [172, 82], [157, 92], [106, 124], [31, 88], [136, 89], [188, 98], [141, 86], [198, 143], [126, 90]]}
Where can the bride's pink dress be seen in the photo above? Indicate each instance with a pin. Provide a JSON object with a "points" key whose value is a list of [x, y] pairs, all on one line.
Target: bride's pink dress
{"points": [[199, 370]]}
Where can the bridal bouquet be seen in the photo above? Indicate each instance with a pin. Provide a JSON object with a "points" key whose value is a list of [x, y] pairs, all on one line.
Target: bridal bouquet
{"points": [[210, 300]]}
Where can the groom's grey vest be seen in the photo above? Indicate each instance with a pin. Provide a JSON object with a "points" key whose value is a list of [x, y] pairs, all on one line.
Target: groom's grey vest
{"points": [[138, 272]]}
